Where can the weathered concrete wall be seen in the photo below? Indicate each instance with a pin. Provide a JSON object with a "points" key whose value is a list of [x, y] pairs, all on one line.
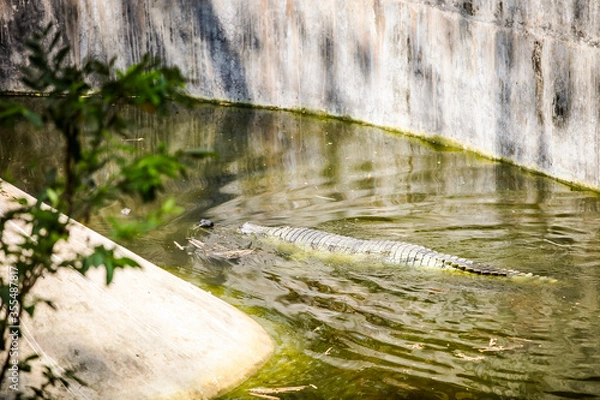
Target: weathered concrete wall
{"points": [[511, 79]]}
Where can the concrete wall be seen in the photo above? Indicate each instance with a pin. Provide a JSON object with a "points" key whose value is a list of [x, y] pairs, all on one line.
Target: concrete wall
{"points": [[511, 79]]}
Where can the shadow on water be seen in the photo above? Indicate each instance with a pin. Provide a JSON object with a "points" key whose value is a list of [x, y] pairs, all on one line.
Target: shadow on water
{"points": [[366, 330]]}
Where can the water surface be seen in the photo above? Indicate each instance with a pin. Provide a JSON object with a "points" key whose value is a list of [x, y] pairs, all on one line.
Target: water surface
{"points": [[367, 330]]}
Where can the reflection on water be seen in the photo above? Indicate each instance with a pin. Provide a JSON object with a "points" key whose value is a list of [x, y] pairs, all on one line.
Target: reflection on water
{"points": [[370, 331]]}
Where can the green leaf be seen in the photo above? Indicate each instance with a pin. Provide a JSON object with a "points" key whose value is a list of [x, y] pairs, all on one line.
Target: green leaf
{"points": [[52, 196], [29, 310], [103, 257], [10, 111], [25, 365], [33, 118]]}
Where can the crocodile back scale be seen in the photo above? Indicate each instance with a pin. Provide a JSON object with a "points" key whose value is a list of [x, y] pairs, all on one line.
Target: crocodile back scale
{"points": [[385, 250]]}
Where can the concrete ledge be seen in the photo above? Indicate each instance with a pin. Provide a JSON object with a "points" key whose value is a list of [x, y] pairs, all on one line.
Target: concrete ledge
{"points": [[149, 335]]}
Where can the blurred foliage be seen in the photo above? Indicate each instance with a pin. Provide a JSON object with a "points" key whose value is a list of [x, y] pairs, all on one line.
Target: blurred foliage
{"points": [[83, 105]]}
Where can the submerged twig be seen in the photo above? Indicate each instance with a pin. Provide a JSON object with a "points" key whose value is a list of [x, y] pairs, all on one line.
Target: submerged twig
{"points": [[266, 393], [232, 253], [196, 243], [218, 250], [468, 358], [324, 198], [265, 396]]}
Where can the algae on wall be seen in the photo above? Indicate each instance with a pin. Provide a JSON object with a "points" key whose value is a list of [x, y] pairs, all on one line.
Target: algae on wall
{"points": [[511, 79]]}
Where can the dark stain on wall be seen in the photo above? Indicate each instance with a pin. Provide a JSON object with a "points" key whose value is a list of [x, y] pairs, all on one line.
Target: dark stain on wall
{"points": [[543, 154], [468, 8], [415, 60], [226, 62], [423, 91], [364, 57], [560, 104], [14, 31], [536, 61], [581, 13], [504, 50], [67, 15], [511, 13], [504, 66], [499, 11], [135, 32], [543, 157], [251, 41], [562, 87], [328, 55]]}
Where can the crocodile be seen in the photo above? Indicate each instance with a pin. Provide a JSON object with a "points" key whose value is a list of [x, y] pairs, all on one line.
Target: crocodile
{"points": [[387, 251]]}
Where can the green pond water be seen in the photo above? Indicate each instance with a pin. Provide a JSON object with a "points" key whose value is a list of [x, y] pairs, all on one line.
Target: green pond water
{"points": [[363, 330]]}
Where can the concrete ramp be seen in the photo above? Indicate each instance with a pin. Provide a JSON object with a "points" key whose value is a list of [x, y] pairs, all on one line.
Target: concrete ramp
{"points": [[149, 335]]}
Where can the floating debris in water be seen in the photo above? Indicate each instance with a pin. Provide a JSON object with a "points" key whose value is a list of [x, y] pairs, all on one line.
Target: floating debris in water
{"points": [[204, 223], [266, 393]]}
